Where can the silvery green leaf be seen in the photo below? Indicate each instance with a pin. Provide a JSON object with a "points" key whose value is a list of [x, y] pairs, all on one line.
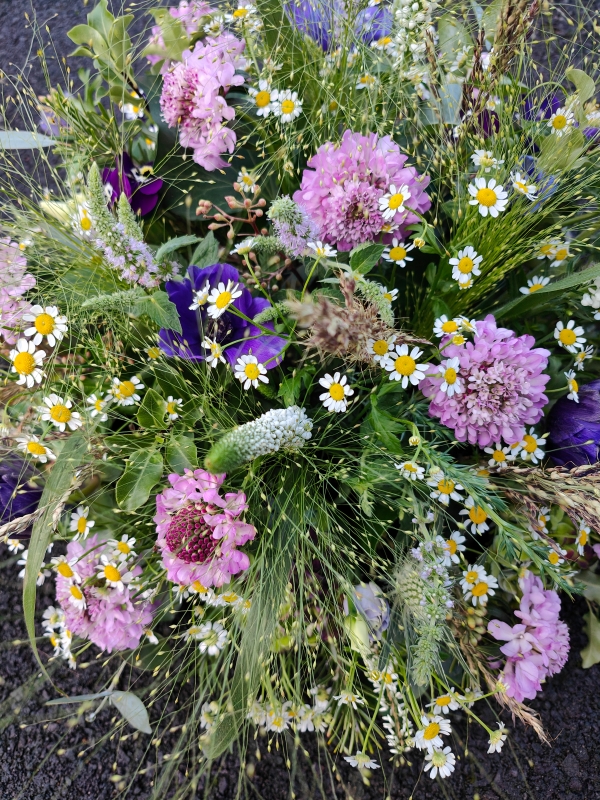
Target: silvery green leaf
{"points": [[132, 709], [23, 140]]}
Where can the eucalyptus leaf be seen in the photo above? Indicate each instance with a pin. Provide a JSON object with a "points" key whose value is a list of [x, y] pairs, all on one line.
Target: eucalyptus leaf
{"points": [[585, 85], [24, 140], [132, 709], [175, 244], [79, 698], [142, 473], [160, 309]]}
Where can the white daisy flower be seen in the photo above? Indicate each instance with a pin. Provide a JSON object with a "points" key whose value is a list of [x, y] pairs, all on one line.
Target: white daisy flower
{"points": [[14, 545], [380, 348], [477, 521], [58, 412], [361, 761], [79, 523], [115, 575], [390, 295], [569, 336], [520, 185], [530, 447], [582, 356], [392, 202], [366, 81], [278, 719], [133, 110], [453, 383], [445, 703], [560, 254], [125, 393], [467, 325], [486, 160], [534, 285], [47, 322], [286, 105], [26, 362], [244, 247], [561, 121], [583, 537], [263, 97], [33, 447], [213, 638], [76, 597], [222, 297], [334, 399], [402, 365], [322, 250], [446, 327], [348, 698], [151, 636], [497, 739], [385, 43], [97, 407], [242, 13], [249, 371], [173, 407], [200, 297], [216, 352], [67, 568], [397, 252], [452, 547], [547, 249], [193, 633], [480, 592], [81, 221], [489, 197], [445, 488], [440, 762], [541, 523], [573, 386], [429, 736], [410, 470], [555, 556], [500, 456], [123, 548], [466, 265], [247, 181]]}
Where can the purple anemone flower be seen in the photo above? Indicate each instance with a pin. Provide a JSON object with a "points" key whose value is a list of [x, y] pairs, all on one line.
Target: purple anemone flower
{"points": [[236, 336], [575, 427], [18, 494], [322, 20], [139, 185]]}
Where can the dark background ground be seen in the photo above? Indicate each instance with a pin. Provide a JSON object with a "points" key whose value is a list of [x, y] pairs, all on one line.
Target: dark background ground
{"points": [[44, 756]]}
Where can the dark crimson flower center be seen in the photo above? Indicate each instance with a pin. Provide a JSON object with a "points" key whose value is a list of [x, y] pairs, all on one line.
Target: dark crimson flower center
{"points": [[189, 537]]}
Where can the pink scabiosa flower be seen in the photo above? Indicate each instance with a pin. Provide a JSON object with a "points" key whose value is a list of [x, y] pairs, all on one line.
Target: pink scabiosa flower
{"points": [[199, 531], [94, 610], [14, 282], [349, 184], [504, 386], [193, 97]]}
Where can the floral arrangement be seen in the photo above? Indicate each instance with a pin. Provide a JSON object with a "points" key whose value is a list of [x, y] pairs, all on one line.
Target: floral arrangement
{"points": [[301, 405]]}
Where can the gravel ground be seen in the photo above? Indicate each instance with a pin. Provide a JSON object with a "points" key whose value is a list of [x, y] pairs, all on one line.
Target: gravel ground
{"points": [[45, 755]]}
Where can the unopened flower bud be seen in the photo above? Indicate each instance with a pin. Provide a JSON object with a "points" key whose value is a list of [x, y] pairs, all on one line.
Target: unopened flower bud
{"points": [[419, 242], [414, 441]]}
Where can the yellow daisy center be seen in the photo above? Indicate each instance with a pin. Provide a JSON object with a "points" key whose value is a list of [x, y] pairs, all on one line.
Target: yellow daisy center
{"points": [[498, 456], [477, 515], [240, 13], [396, 200], [60, 413], [559, 122], [124, 548], [112, 573], [446, 486], [229, 597], [262, 99], [567, 336], [36, 449], [154, 352], [561, 254], [81, 524], [458, 339], [44, 324], [336, 391], [199, 587], [486, 197], [24, 363], [546, 249], [76, 592], [471, 576], [583, 537], [553, 558], [251, 371], [98, 405], [388, 296], [172, 408], [451, 546], [288, 106], [431, 731], [380, 347], [85, 221], [450, 375], [405, 365], [487, 161], [65, 570], [573, 385], [126, 388], [535, 287], [223, 300], [450, 326], [465, 265], [397, 253], [384, 41], [530, 443], [480, 589], [444, 700], [521, 186]]}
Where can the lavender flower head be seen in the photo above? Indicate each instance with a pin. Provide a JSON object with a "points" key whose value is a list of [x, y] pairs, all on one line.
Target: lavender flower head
{"points": [[575, 427], [230, 333], [140, 187], [292, 226], [343, 190], [537, 647], [503, 383], [192, 98], [14, 282]]}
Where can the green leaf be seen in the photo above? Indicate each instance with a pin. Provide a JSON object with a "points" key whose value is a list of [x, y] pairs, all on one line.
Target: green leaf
{"points": [[142, 473], [590, 654], [170, 380], [174, 244], [86, 35], [160, 309], [585, 85], [132, 709], [385, 426], [592, 584], [364, 257], [152, 411], [207, 252], [55, 493], [23, 140], [78, 698], [181, 453], [560, 154], [489, 18], [453, 37], [545, 296]]}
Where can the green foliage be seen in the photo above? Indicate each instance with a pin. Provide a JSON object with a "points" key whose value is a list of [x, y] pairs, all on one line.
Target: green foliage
{"points": [[181, 453], [159, 309], [207, 252], [152, 410], [143, 471], [364, 257], [590, 654]]}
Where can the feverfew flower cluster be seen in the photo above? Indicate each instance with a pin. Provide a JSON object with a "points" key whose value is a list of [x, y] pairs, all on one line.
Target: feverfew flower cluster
{"points": [[538, 646], [14, 283], [192, 97]]}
